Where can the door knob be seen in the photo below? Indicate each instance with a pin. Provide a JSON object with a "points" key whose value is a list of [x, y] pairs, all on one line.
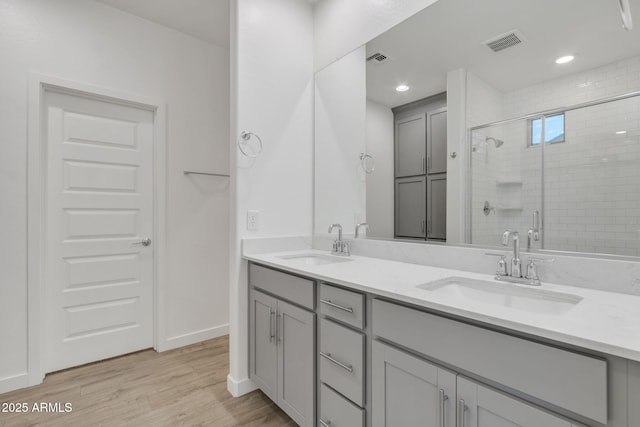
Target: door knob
{"points": [[143, 242]]}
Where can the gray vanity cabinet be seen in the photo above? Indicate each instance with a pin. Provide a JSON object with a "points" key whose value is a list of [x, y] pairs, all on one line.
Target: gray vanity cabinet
{"points": [[437, 141], [573, 384], [437, 206], [281, 354], [410, 218], [483, 407], [408, 391], [420, 143], [410, 147]]}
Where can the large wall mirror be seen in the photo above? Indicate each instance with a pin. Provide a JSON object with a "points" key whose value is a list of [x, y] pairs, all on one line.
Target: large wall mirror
{"points": [[508, 139]]}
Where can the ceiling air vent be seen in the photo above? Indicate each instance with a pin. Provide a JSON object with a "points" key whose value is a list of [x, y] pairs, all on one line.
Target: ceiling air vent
{"points": [[504, 41], [377, 58]]}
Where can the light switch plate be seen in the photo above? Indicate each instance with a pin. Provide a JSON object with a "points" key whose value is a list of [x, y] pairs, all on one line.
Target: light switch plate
{"points": [[253, 218]]}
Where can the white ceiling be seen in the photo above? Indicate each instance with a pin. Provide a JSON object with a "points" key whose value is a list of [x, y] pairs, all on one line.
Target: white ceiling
{"points": [[448, 35], [207, 20]]}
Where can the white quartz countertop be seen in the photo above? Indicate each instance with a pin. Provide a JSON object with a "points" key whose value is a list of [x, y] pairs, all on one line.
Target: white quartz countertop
{"points": [[606, 322]]}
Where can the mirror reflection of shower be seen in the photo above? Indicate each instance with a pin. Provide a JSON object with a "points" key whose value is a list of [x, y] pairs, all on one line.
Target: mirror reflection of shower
{"points": [[497, 143]]}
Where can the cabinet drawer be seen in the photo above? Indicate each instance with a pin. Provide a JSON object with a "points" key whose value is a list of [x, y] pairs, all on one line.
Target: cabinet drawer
{"points": [[293, 288], [343, 305], [336, 411], [341, 360], [563, 378]]}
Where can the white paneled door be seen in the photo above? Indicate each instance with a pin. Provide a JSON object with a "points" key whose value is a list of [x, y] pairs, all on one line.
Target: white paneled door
{"points": [[98, 280]]}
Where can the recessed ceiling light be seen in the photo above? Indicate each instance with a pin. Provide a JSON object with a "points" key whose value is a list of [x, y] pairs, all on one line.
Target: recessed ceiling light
{"points": [[564, 59], [621, 132], [402, 88]]}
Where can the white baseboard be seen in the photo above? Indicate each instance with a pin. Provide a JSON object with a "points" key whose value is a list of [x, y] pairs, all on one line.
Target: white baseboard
{"points": [[193, 337], [14, 383], [238, 388]]}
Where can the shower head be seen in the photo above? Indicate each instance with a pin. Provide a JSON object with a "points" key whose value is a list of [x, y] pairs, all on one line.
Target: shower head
{"points": [[497, 142]]}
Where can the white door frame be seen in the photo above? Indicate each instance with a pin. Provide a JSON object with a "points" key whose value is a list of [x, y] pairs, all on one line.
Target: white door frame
{"points": [[36, 195]]}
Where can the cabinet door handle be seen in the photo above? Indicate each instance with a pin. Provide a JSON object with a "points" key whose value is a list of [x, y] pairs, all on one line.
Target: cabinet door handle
{"points": [[338, 306], [423, 164], [325, 423], [330, 358], [271, 319], [429, 163], [461, 410], [443, 398], [278, 329]]}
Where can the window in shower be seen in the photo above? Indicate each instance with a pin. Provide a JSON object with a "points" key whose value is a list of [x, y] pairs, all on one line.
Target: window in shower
{"points": [[553, 130]]}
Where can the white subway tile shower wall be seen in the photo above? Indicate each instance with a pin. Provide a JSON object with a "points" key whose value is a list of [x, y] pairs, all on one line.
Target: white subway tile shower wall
{"points": [[592, 190]]}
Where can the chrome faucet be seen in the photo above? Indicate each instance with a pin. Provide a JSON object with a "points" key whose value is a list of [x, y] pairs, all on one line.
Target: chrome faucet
{"points": [[516, 263], [339, 246], [362, 224], [515, 276]]}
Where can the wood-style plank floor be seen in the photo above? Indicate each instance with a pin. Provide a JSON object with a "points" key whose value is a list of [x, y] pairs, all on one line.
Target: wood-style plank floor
{"points": [[182, 387]]}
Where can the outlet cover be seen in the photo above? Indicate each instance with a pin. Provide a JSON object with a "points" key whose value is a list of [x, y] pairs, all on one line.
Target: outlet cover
{"points": [[253, 218]]}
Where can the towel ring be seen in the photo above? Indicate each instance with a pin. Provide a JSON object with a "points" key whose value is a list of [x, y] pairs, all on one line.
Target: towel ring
{"points": [[367, 162], [243, 141]]}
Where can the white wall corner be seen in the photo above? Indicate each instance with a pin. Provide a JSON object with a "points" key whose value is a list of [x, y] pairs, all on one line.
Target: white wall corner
{"points": [[238, 388], [456, 167]]}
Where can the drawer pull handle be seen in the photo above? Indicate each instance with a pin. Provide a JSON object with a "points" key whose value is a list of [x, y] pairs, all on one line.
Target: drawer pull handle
{"points": [[338, 306], [325, 423], [461, 410], [443, 398], [337, 362]]}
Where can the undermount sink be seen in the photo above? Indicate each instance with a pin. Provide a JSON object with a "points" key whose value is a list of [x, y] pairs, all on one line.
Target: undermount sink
{"points": [[315, 259], [505, 295]]}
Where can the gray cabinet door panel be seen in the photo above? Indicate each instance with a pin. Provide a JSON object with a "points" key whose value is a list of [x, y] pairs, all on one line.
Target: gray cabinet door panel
{"points": [[345, 346], [295, 336], [437, 141], [411, 196], [437, 206], [410, 147], [263, 352], [336, 411], [563, 378], [488, 408], [408, 391]]}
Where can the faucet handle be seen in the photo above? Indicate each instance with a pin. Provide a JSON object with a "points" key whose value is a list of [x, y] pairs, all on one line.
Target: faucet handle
{"points": [[345, 249], [502, 264], [532, 268], [362, 224]]}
